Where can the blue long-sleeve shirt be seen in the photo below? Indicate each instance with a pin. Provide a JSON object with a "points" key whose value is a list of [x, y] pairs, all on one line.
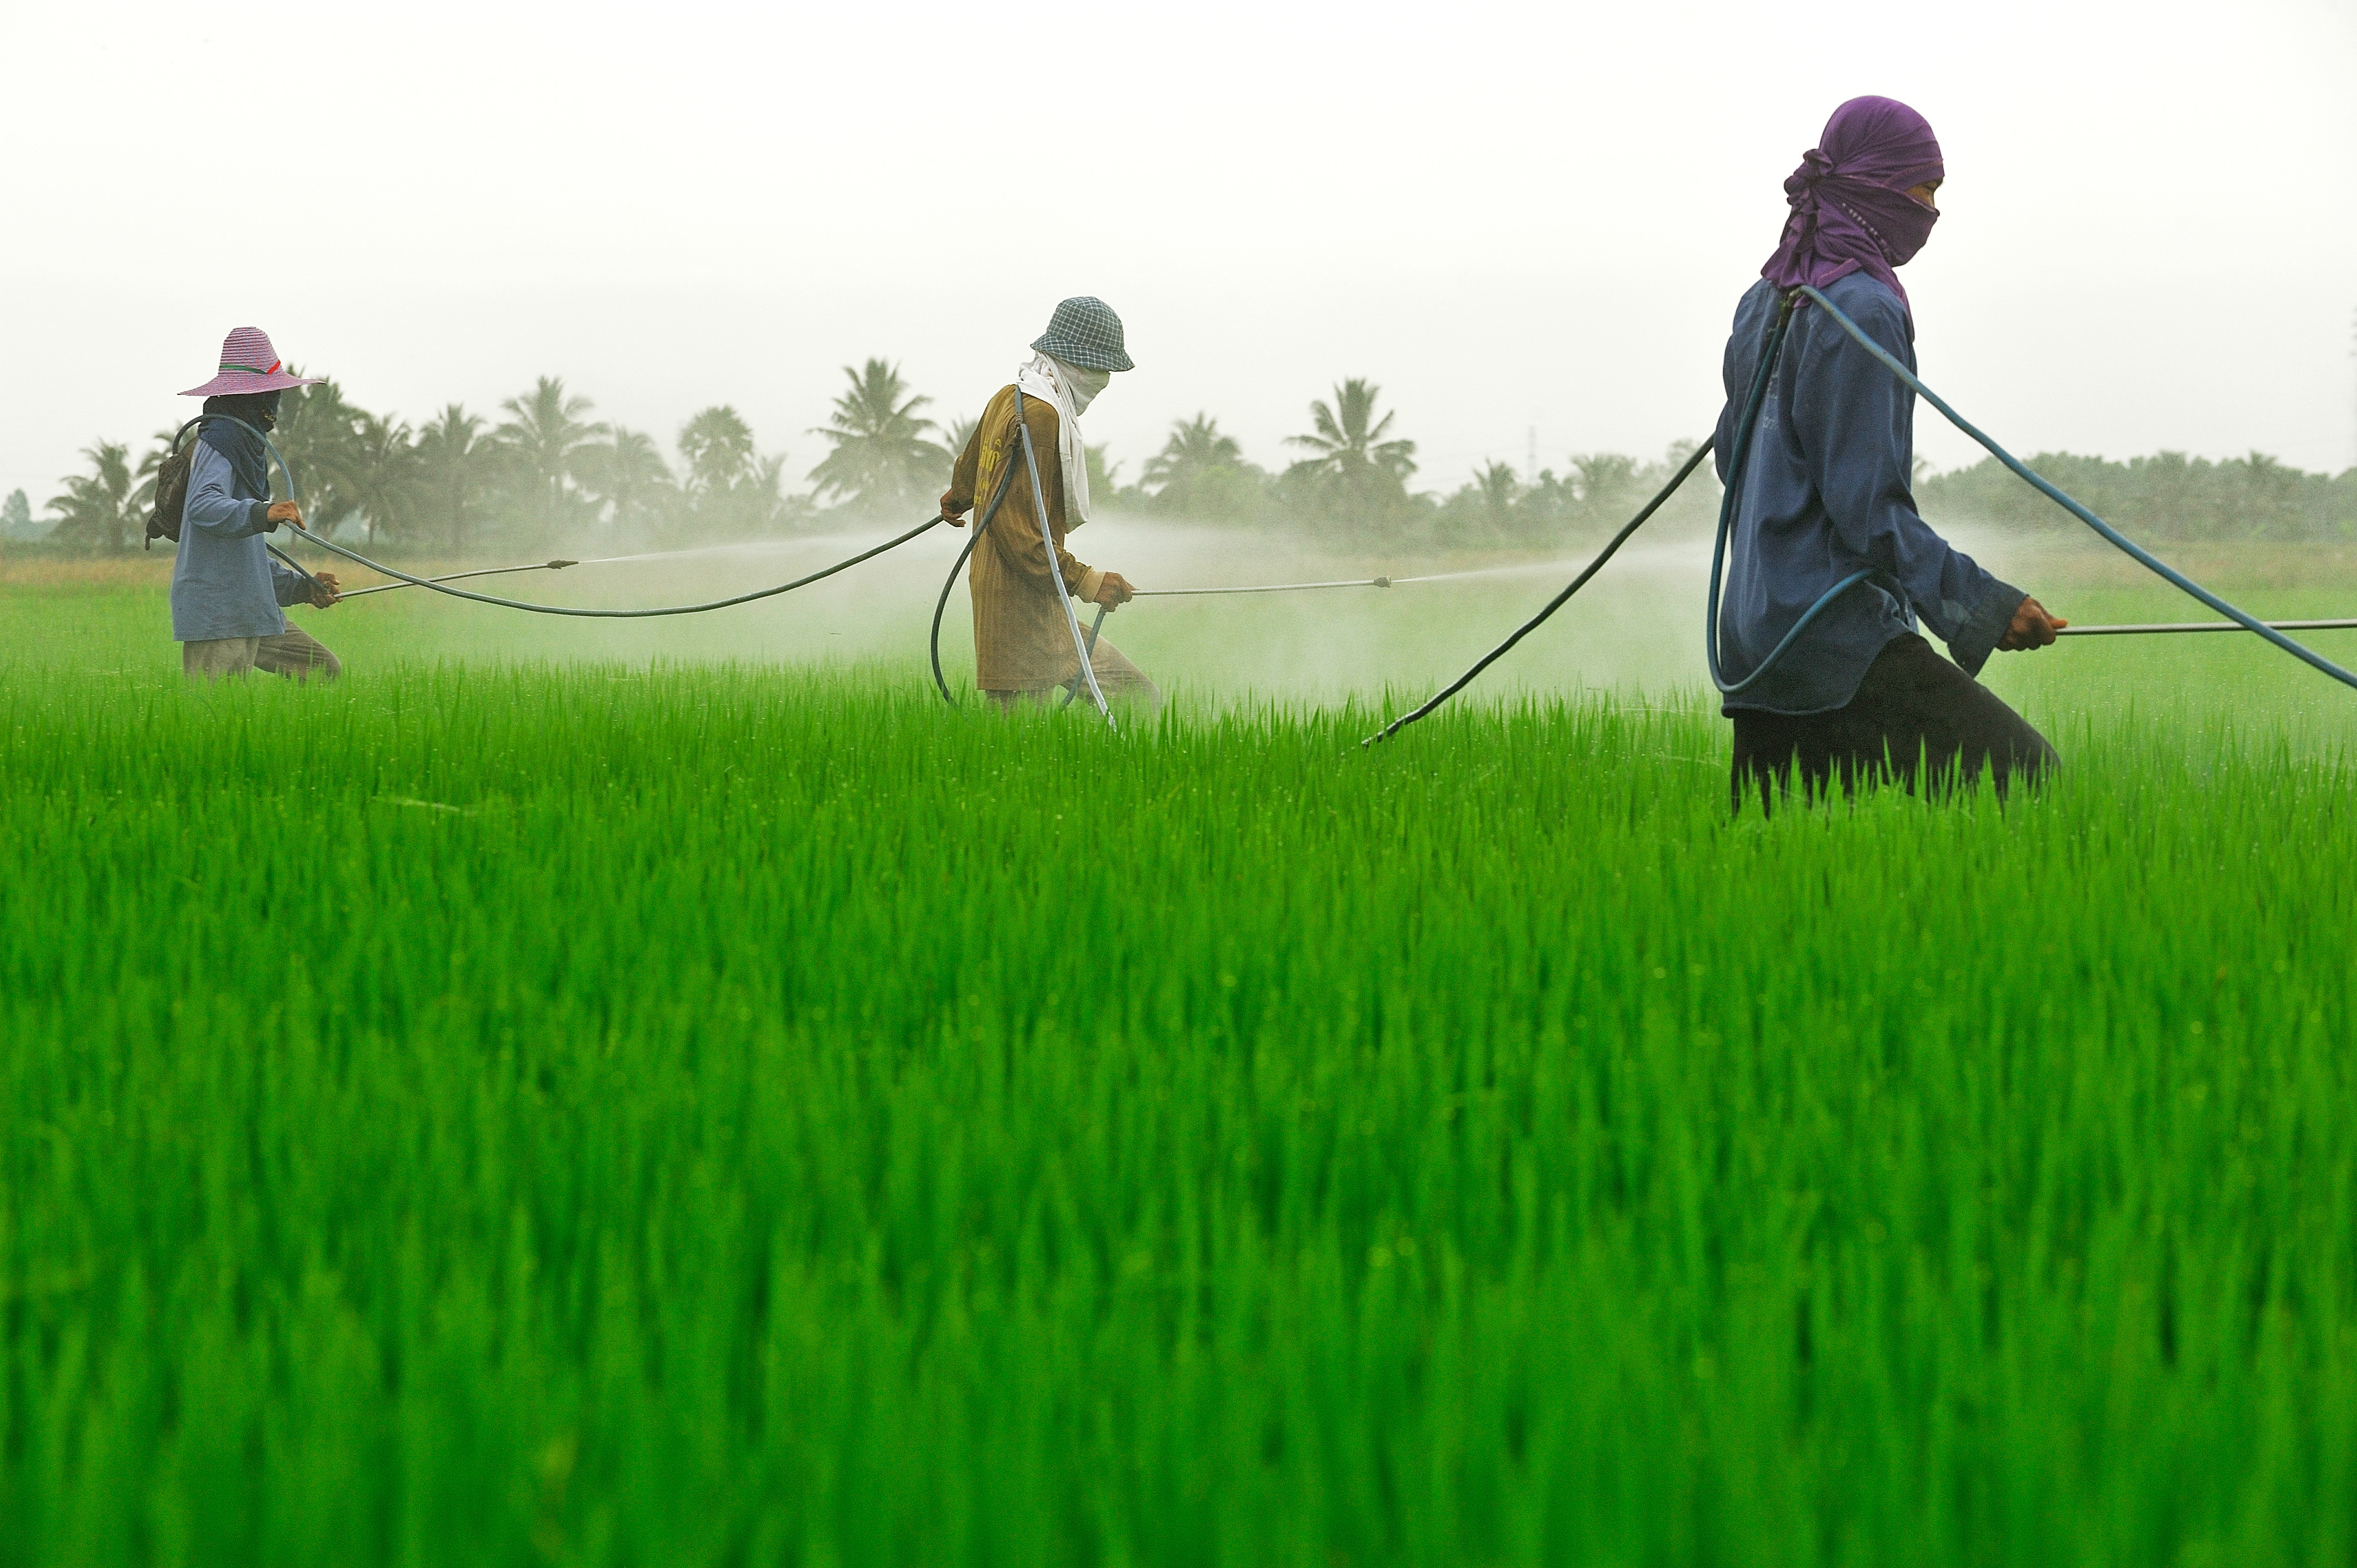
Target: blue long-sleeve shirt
{"points": [[224, 582], [1827, 490]]}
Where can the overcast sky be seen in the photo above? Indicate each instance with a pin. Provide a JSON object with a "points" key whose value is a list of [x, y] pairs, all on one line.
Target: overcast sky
{"points": [[1514, 218]]}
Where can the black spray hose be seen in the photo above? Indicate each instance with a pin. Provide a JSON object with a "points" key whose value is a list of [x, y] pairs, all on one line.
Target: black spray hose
{"points": [[297, 565], [844, 565], [317, 586], [1005, 478], [2273, 631], [1772, 348], [2055, 493], [439, 587], [1553, 605], [2242, 621]]}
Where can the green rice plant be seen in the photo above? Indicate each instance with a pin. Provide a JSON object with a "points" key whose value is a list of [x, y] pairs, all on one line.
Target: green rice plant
{"points": [[720, 1114]]}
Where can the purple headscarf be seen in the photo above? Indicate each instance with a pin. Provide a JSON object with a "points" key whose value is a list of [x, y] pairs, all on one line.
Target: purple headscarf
{"points": [[1851, 212]]}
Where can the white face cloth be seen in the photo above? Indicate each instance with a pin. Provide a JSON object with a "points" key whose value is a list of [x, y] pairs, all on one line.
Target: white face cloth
{"points": [[1070, 389], [1084, 386]]}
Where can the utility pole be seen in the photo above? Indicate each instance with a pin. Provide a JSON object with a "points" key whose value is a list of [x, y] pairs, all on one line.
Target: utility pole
{"points": [[1531, 464]]}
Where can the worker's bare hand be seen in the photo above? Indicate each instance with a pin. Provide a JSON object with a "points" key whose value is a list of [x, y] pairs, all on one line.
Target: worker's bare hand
{"points": [[328, 589], [952, 510], [285, 511], [2032, 627], [1114, 591]]}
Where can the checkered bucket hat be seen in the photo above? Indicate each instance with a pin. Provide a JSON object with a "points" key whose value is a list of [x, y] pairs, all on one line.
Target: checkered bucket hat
{"points": [[249, 364], [1085, 332]]}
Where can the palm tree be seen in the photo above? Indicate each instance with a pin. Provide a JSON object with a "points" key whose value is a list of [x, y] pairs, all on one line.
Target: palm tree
{"points": [[380, 472], [1605, 483], [318, 434], [1194, 445], [629, 475], [1496, 489], [764, 508], [2261, 495], [1104, 477], [1350, 438], [1493, 505], [449, 467], [96, 506], [545, 437], [718, 447], [732, 491], [1194, 463], [960, 431], [1352, 467], [881, 457], [151, 467]]}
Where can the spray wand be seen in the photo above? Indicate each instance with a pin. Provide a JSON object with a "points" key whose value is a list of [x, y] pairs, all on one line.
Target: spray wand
{"points": [[455, 576]]}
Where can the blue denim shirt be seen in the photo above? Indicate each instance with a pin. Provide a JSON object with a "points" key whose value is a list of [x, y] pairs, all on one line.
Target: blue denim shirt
{"points": [[1827, 490], [224, 583]]}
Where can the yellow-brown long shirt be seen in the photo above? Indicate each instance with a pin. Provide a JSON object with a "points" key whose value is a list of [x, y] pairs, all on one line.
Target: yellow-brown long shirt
{"points": [[1021, 639]]}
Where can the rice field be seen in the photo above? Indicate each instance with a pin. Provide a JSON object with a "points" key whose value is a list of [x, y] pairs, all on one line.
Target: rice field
{"points": [[582, 1109]]}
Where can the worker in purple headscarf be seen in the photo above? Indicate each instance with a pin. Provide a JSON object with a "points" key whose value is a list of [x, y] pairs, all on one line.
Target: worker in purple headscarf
{"points": [[1826, 492]]}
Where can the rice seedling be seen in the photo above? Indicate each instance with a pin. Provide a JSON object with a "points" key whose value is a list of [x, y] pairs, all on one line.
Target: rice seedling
{"points": [[719, 1114]]}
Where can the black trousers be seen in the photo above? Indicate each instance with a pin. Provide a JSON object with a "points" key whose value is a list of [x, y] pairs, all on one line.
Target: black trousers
{"points": [[1913, 712]]}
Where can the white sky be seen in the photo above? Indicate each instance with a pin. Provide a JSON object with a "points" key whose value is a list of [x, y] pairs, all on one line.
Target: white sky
{"points": [[1510, 216]]}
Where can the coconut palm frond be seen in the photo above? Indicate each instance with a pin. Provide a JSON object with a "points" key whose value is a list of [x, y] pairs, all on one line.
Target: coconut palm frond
{"points": [[880, 453]]}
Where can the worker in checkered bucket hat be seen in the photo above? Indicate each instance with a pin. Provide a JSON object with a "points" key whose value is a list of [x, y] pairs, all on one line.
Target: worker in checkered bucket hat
{"points": [[1022, 639], [228, 594]]}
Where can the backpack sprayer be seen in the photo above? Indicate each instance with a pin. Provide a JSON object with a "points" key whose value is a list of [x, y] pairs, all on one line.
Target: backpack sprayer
{"points": [[164, 522]]}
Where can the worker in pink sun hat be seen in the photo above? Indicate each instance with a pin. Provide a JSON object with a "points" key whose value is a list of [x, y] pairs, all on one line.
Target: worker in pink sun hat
{"points": [[227, 592]]}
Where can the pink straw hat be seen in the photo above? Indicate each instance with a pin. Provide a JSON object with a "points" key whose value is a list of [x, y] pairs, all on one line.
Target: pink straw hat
{"points": [[249, 364]]}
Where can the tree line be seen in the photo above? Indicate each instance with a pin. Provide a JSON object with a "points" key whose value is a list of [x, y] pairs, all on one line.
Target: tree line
{"points": [[1351, 479], [544, 471], [2168, 495]]}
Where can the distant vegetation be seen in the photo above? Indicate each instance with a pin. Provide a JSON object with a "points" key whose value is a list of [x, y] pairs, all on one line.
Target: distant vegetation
{"points": [[544, 471], [2166, 496]]}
